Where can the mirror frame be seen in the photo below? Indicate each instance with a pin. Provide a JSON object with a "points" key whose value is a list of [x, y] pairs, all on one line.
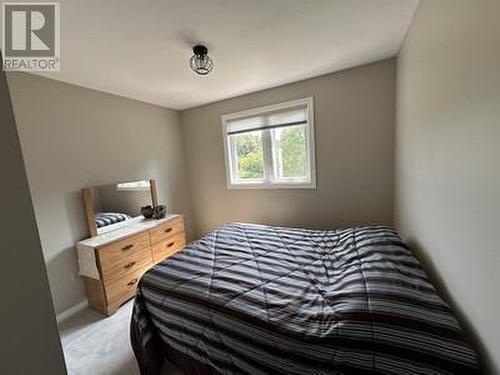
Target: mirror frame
{"points": [[88, 206]]}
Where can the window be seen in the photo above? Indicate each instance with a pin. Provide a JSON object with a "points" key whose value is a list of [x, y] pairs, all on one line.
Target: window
{"points": [[271, 147], [133, 186]]}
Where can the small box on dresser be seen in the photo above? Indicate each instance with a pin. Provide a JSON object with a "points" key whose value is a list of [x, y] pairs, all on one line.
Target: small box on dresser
{"points": [[112, 263]]}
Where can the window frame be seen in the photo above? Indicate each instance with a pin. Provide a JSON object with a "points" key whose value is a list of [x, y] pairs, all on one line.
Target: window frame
{"points": [[267, 147]]}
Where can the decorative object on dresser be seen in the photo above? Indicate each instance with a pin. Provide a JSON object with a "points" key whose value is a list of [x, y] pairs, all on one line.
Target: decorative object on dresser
{"points": [[147, 211], [159, 212], [113, 260]]}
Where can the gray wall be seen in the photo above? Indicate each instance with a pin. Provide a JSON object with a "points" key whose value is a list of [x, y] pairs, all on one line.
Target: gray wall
{"points": [[30, 342], [354, 124], [448, 153], [74, 137]]}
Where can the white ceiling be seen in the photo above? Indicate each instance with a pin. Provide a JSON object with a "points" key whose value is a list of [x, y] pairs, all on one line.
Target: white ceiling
{"points": [[140, 49]]}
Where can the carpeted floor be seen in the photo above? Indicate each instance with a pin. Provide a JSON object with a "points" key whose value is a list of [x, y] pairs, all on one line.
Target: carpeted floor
{"points": [[98, 345]]}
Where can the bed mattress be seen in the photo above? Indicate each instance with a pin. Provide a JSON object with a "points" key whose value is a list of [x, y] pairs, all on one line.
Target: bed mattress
{"points": [[252, 299]]}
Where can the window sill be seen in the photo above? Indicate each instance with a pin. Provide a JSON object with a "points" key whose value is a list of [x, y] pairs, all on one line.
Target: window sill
{"points": [[292, 186]]}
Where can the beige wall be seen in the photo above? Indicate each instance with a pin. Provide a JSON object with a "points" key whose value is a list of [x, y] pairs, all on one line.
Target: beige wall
{"points": [[29, 342], [448, 154], [74, 137], [354, 113]]}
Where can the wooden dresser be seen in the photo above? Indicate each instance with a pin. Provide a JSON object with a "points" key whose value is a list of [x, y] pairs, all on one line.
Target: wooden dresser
{"points": [[112, 263]]}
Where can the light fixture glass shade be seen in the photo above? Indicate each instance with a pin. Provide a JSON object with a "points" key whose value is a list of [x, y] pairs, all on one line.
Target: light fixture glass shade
{"points": [[200, 62]]}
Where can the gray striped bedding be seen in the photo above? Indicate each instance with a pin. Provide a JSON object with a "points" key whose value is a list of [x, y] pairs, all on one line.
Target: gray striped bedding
{"points": [[103, 219], [252, 299]]}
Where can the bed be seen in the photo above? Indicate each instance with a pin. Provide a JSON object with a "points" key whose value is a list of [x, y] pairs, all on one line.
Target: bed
{"points": [[103, 219], [253, 299]]}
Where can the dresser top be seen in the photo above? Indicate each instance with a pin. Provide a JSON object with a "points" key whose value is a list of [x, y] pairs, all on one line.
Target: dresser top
{"points": [[135, 226]]}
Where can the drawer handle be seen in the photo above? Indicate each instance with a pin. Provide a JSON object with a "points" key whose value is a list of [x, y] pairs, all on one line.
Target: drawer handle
{"points": [[168, 230], [130, 265], [127, 247], [170, 244], [132, 282]]}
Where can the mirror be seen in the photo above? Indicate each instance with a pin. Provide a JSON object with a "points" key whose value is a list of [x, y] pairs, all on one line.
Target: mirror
{"points": [[109, 207]]}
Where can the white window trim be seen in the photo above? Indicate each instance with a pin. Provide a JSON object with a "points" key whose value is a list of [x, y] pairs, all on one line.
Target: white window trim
{"points": [[311, 149]]}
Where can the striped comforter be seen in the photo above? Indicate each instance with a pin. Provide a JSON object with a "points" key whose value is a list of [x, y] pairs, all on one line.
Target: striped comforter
{"points": [[103, 219], [268, 300]]}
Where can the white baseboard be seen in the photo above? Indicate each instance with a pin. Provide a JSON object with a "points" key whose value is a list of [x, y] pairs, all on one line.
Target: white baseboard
{"points": [[72, 311]]}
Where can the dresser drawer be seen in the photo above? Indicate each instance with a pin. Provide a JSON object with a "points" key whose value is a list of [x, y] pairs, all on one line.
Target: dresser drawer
{"points": [[118, 252], [137, 260], [120, 290], [168, 246], [167, 230]]}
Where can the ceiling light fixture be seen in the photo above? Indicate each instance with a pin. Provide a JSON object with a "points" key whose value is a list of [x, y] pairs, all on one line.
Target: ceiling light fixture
{"points": [[200, 62]]}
